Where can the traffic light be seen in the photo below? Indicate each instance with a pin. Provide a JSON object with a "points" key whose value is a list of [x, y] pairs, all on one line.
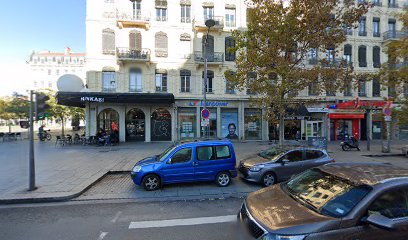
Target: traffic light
{"points": [[41, 106]]}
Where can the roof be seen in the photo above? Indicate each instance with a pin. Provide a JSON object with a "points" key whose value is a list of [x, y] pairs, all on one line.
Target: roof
{"points": [[205, 142], [365, 173]]}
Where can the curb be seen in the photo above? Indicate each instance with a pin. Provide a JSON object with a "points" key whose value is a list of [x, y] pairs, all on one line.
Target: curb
{"points": [[58, 199], [384, 155]]}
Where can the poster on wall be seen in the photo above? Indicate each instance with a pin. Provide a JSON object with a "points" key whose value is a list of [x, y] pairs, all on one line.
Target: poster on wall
{"points": [[229, 124]]}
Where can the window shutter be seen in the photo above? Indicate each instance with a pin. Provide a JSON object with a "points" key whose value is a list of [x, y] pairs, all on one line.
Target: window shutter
{"points": [[347, 49], [161, 44], [108, 41], [135, 40]]}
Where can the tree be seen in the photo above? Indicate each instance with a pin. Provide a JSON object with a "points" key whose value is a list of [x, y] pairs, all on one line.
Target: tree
{"points": [[18, 106], [62, 112], [394, 74], [272, 51]]}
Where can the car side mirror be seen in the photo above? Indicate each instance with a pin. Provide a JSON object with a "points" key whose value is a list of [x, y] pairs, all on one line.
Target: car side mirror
{"points": [[383, 222], [284, 161]]}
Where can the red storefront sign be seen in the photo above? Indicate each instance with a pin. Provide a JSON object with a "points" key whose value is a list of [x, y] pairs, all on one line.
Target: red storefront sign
{"points": [[346, 115]]}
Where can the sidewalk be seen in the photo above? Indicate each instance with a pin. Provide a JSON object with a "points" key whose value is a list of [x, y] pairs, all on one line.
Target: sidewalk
{"points": [[67, 172]]}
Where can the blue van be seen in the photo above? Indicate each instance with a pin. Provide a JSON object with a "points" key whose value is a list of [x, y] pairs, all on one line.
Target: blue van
{"points": [[188, 162]]}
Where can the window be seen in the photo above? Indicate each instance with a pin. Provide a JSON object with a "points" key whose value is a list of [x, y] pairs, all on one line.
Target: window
{"points": [[185, 76], [137, 9], [250, 81], [312, 154], [222, 152], [229, 45], [313, 88], [362, 56], [376, 27], [135, 40], [294, 156], [50, 84], [229, 87], [205, 153], [376, 88], [57, 72], [49, 72], [108, 81], [347, 55], [312, 56], [392, 204], [392, 4], [135, 80], [376, 57], [391, 28], [181, 156], [208, 13], [362, 91], [161, 14], [209, 84], [161, 44], [108, 41], [185, 13], [362, 27], [230, 17], [377, 2], [347, 88], [161, 82], [330, 55]]}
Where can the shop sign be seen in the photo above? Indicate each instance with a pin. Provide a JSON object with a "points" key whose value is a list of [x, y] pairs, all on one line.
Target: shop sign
{"points": [[295, 118], [92, 99], [318, 110], [205, 122], [208, 103]]}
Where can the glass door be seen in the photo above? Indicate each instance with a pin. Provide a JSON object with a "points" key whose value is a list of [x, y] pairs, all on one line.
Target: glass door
{"points": [[314, 129]]}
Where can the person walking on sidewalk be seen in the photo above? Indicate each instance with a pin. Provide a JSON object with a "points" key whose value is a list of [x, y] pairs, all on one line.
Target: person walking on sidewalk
{"points": [[115, 132]]}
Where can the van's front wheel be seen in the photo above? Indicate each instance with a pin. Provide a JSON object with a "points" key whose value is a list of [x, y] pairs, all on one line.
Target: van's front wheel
{"points": [[223, 179], [151, 182]]}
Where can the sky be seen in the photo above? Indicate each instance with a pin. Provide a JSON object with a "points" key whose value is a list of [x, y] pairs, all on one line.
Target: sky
{"points": [[36, 25]]}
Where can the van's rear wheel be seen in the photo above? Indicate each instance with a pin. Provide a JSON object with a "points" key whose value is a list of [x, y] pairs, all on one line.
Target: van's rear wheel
{"points": [[223, 179], [151, 182]]}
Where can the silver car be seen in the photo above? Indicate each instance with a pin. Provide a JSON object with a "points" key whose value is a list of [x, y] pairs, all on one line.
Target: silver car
{"points": [[281, 163]]}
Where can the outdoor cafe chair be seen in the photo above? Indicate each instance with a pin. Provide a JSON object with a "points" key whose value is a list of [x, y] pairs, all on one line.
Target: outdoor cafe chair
{"points": [[61, 141]]}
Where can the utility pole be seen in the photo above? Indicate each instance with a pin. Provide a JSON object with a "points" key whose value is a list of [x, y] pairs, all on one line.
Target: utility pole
{"points": [[31, 166]]}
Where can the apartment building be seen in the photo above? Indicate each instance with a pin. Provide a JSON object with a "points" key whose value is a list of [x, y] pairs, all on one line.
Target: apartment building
{"points": [[47, 67], [145, 70]]}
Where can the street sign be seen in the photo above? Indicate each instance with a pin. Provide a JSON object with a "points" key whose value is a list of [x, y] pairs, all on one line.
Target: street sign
{"points": [[205, 113], [387, 118], [205, 122], [387, 111]]}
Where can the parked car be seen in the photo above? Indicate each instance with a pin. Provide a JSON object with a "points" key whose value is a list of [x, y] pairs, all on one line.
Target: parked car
{"points": [[280, 163], [336, 201], [188, 162]]}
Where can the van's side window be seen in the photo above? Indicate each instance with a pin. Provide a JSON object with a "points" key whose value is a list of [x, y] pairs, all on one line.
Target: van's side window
{"points": [[205, 153], [222, 152], [181, 156]]}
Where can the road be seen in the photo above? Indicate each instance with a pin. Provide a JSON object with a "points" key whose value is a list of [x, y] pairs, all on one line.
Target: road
{"points": [[121, 220]]}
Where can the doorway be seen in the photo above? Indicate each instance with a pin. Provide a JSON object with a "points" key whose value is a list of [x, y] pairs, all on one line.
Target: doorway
{"points": [[135, 125]]}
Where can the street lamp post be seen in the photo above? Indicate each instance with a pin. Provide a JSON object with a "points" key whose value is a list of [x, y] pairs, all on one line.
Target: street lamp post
{"points": [[209, 23]]}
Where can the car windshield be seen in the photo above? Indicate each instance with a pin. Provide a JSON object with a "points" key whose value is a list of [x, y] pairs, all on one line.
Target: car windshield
{"points": [[324, 193], [272, 153], [166, 153]]}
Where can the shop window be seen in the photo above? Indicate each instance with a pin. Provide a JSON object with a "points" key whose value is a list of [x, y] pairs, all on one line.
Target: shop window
{"points": [[211, 130], [253, 124], [135, 125], [106, 118], [185, 77], [229, 123], [161, 125], [187, 118]]}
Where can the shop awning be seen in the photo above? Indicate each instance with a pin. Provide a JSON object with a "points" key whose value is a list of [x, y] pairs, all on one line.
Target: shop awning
{"points": [[79, 99], [346, 115], [296, 112]]}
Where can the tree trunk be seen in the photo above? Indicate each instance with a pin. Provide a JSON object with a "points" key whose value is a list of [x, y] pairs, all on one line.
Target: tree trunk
{"points": [[281, 130], [62, 130]]}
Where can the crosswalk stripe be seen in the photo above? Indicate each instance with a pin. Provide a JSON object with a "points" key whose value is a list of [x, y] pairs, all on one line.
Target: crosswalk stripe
{"points": [[182, 222]]}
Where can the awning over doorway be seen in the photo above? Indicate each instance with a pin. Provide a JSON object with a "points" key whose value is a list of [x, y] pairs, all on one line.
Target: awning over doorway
{"points": [[296, 112], [79, 99]]}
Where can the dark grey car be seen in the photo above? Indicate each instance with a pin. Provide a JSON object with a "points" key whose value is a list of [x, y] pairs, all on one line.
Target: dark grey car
{"points": [[280, 163], [341, 201]]}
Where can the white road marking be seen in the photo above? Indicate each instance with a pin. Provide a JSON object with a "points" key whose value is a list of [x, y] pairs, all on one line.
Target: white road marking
{"points": [[182, 222], [116, 217], [102, 235]]}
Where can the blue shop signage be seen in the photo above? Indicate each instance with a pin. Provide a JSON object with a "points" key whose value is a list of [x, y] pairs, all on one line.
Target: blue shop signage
{"points": [[208, 104]]}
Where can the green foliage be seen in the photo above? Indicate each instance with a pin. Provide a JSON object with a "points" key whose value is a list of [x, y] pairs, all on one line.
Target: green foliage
{"points": [[272, 51], [16, 106]]}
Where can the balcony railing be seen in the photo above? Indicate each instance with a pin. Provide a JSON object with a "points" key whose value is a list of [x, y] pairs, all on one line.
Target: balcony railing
{"points": [[313, 61], [336, 63], [185, 20], [376, 34], [132, 19], [376, 64], [390, 35], [362, 64], [126, 54], [393, 5], [199, 23], [216, 57], [161, 18], [362, 33]]}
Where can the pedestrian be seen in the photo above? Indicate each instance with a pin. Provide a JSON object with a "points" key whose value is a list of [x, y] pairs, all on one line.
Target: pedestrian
{"points": [[115, 132]]}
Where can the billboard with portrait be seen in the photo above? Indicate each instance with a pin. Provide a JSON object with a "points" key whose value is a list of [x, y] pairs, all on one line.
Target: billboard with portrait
{"points": [[229, 123]]}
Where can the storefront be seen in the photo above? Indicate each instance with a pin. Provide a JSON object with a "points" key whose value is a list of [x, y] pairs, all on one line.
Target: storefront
{"points": [[345, 124], [139, 116]]}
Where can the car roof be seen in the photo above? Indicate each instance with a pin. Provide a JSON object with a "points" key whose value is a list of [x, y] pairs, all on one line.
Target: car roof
{"points": [[192, 143], [365, 173]]}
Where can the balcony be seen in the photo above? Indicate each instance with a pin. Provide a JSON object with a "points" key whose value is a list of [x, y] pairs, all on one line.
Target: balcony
{"points": [[212, 59], [133, 55], [129, 19], [362, 33], [336, 63], [393, 5], [394, 35], [199, 24], [376, 34]]}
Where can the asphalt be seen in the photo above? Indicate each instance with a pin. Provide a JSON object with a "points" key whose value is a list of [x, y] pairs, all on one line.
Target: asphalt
{"points": [[110, 221], [77, 172]]}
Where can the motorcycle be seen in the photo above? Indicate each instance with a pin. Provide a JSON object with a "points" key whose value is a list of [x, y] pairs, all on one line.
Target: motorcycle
{"points": [[45, 136], [349, 144]]}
